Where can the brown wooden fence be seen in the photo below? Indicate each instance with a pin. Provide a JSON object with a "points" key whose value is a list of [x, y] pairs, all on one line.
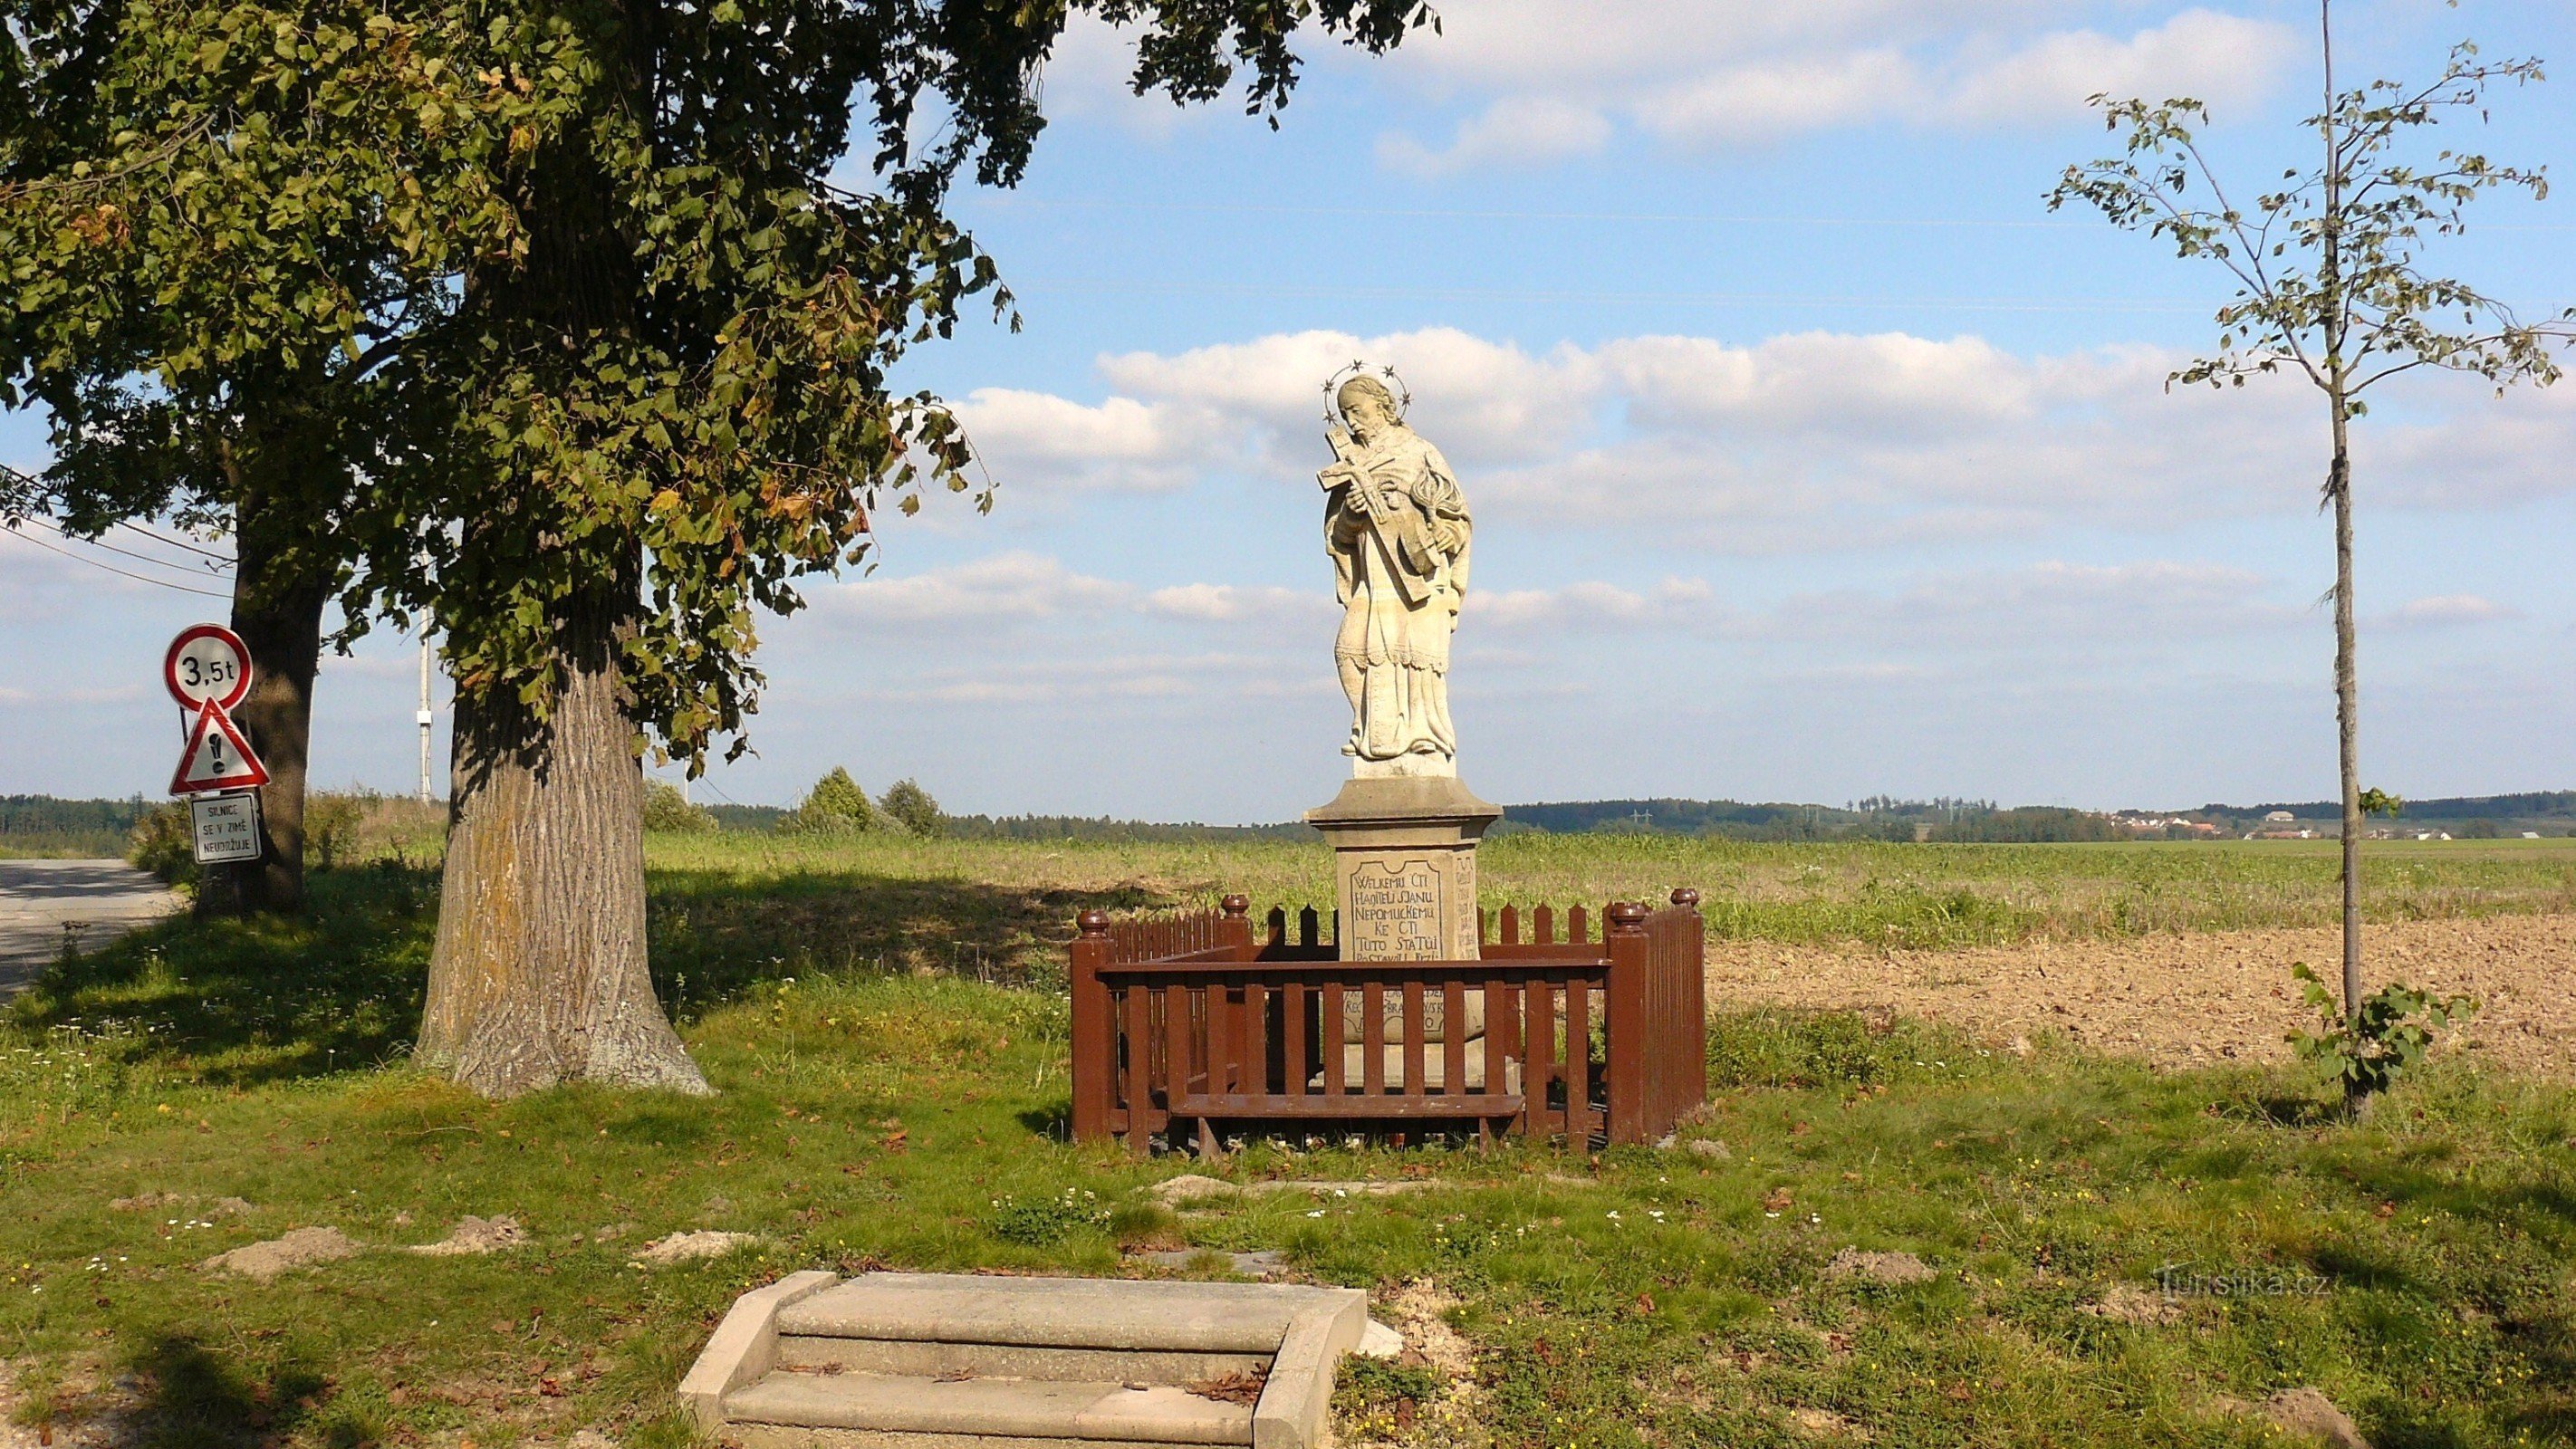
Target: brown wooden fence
{"points": [[1198, 1021]]}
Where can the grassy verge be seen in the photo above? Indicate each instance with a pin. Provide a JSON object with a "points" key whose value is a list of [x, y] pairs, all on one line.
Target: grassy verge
{"points": [[2415, 1267]]}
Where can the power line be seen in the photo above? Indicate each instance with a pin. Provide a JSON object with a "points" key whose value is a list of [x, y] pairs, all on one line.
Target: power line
{"points": [[223, 558], [1007, 202], [1706, 299], [1461, 214], [111, 568], [67, 536]]}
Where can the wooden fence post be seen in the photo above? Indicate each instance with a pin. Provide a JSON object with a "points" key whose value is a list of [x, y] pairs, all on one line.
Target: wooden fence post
{"points": [[1095, 1031], [1624, 937], [1692, 1010]]}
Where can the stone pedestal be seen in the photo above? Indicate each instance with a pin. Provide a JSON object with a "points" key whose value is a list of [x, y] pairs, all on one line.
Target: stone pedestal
{"points": [[1404, 866]]}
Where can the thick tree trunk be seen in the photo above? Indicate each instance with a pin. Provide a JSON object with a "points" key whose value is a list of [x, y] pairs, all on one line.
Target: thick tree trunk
{"points": [[539, 975], [281, 583]]}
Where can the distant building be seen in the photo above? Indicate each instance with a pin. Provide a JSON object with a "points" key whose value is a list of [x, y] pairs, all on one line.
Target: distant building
{"points": [[2531, 835], [2279, 817]]}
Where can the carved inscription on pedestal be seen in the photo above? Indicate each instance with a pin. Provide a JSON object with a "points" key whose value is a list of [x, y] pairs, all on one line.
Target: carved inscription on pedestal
{"points": [[1396, 908]]}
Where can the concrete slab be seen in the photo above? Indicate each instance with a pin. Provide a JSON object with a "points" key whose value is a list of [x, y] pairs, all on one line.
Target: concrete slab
{"points": [[1012, 1361], [103, 899], [1026, 1408], [1059, 1312], [745, 1346]]}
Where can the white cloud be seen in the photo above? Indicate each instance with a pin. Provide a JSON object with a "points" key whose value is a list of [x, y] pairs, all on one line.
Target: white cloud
{"points": [[2446, 611], [2225, 60], [1776, 98], [1592, 604], [2049, 605], [1037, 440], [1483, 400], [1551, 78], [1513, 131], [1233, 603], [1801, 442], [1003, 587]]}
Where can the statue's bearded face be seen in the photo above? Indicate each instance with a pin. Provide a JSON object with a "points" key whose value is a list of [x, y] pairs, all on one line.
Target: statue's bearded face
{"points": [[1366, 415]]}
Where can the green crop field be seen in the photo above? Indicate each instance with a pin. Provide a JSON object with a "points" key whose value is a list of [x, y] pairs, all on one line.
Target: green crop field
{"points": [[880, 1105], [1002, 905]]}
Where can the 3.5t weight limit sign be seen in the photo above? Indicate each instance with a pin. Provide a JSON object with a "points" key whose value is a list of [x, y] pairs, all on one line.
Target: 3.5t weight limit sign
{"points": [[207, 664]]}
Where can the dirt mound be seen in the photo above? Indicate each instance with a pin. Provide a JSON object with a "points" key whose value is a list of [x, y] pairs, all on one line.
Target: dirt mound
{"points": [[2187, 1000], [301, 1248], [689, 1247], [475, 1235], [2129, 1303]]}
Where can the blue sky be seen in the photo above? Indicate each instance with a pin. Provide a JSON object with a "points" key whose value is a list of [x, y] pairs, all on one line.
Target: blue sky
{"points": [[1811, 458]]}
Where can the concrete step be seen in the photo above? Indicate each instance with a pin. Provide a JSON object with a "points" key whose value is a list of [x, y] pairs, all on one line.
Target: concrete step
{"points": [[1055, 1312], [953, 1361], [932, 1359], [1042, 1410]]}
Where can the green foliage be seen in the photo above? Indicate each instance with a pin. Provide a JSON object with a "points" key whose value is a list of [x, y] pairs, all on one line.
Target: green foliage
{"points": [[1783, 1047], [573, 294], [2033, 824], [2327, 279], [163, 842], [835, 806], [2395, 1027], [2375, 801], [331, 822], [910, 806], [1377, 1398], [668, 811], [1046, 1221]]}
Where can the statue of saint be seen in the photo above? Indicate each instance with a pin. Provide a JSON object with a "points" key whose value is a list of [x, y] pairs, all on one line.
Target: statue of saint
{"points": [[1397, 528]]}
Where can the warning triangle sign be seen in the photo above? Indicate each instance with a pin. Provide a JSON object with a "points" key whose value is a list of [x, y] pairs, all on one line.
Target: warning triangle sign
{"points": [[218, 758]]}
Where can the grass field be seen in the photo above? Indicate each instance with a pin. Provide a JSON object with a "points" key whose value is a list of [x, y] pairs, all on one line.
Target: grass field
{"points": [[1001, 906], [2416, 1267]]}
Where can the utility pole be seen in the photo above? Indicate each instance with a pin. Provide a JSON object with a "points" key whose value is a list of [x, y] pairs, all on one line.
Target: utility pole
{"points": [[424, 717]]}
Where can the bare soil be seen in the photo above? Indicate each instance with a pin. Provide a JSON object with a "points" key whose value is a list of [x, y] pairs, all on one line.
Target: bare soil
{"points": [[2189, 1000]]}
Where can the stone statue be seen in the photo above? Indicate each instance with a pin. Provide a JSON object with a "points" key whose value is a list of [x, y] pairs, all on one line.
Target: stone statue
{"points": [[1397, 527]]}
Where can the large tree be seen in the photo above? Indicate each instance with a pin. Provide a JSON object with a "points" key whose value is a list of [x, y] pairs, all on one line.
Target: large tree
{"points": [[2329, 288], [642, 430], [219, 220]]}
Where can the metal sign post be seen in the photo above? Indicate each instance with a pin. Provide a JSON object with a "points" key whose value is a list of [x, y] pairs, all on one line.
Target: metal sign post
{"points": [[208, 671]]}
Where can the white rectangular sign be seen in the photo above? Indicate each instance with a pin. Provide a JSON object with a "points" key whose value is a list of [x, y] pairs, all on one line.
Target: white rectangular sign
{"points": [[227, 827]]}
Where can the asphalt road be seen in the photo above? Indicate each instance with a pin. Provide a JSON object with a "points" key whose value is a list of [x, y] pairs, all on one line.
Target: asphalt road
{"points": [[99, 900]]}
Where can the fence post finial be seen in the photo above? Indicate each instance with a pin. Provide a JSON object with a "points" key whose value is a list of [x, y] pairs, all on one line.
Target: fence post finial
{"points": [[1626, 917], [1093, 923], [1237, 905], [1686, 897]]}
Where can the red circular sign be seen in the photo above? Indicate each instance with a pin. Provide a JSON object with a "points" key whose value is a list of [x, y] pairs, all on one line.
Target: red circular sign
{"points": [[207, 662]]}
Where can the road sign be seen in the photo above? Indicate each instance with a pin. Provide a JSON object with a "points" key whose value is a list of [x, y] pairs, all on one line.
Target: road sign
{"points": [[227, 827], [207, 662], [218, 758]]}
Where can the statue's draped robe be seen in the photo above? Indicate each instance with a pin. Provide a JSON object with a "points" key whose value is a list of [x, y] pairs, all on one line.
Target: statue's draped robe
{"points": [[1400, 584]]}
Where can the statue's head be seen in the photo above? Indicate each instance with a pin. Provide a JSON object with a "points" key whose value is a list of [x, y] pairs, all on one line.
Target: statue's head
{"points": [[1366, 405]]}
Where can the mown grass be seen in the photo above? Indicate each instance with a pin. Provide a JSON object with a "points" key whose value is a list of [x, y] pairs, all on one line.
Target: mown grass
{"points": [[914, 1120], [1001, 905]]}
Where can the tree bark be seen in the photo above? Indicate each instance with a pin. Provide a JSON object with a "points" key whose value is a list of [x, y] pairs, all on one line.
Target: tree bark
{"points": [[281, 584], [538, 976], [2347, 718]]}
